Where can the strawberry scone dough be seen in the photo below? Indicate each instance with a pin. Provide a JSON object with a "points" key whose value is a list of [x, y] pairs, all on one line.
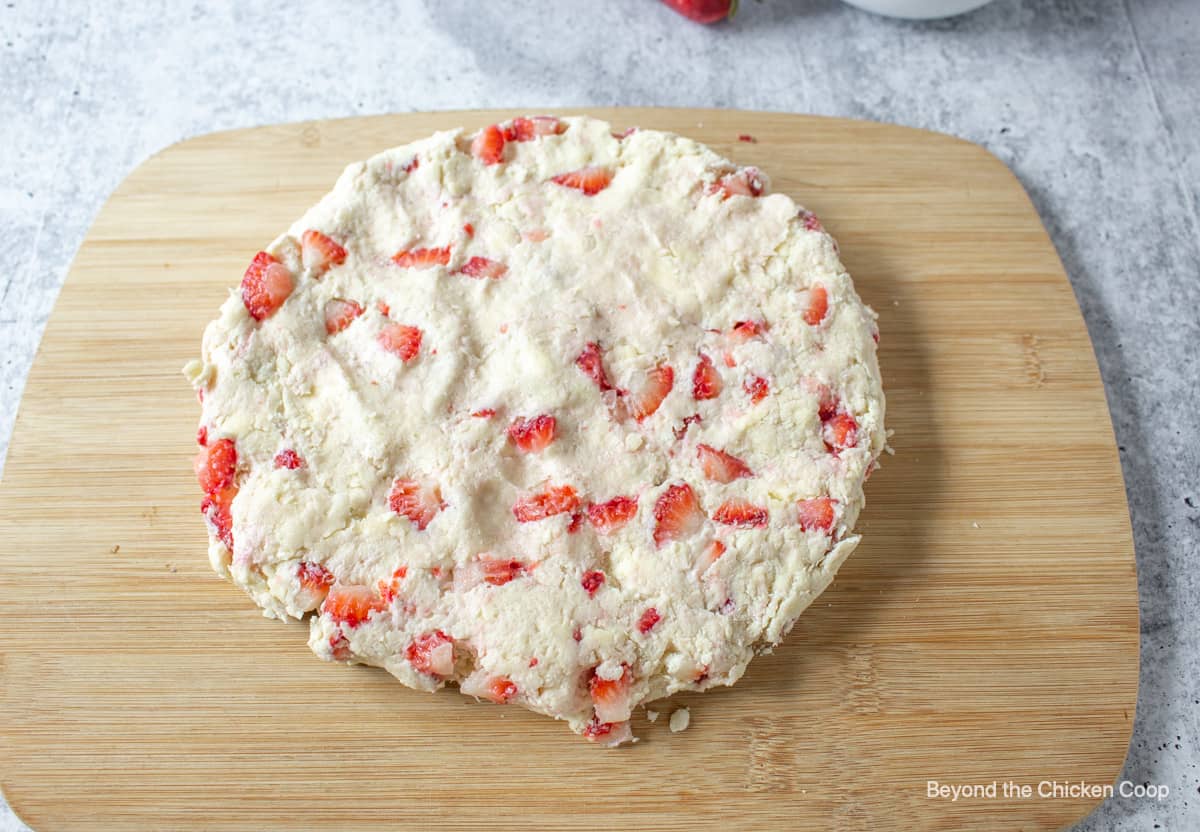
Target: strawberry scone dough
{"points": [[572, 419]]}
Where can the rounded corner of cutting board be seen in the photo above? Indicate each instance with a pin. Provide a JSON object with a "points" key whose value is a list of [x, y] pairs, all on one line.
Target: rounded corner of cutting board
{"points": [[219, 175]]}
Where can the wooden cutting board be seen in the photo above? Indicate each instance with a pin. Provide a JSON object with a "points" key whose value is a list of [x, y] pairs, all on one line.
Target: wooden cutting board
{"points": [[986, 630]]}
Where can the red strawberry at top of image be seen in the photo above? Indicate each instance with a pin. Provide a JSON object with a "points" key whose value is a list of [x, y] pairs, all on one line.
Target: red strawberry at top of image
{"points": [[704, 11]]}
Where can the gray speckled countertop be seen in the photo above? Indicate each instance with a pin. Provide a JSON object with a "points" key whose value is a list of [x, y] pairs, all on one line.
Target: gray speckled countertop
{"points": [[1092, 103]]}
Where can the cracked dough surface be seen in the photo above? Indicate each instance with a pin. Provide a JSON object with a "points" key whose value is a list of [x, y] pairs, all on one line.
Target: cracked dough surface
{"points": [[727, 526]]}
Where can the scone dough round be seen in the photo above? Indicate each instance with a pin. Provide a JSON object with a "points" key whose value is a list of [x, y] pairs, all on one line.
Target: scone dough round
{"points": [[571, 418]]}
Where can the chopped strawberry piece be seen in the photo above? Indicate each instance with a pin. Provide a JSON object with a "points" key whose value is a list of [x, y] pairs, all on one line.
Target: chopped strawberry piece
{"points": [[740, 513], [533, 435], [557, 499], [202, 436], [498, 572], [383, 308], [289, 459], [688, 421], [577, 634], [677, 514], [592, 364], [816, 514], [417, 502], [596, 729], [818, 306], [481, 267], [265, 286], [744, 331], [706, 381], [422, 258], [745, 182], [501, 690], [646, 401], [319, 253], [413, 164], [484, 413], [524, 129], [432, 653], [576, 523], [590, 180], [339, 646], [711, 554], [611, 697], [810, 221], [488, 146], [313, 576], [389, 589], [401, 340], [592, 581], [756, 388], [469, 229], [218, 508], [216, 466], [351, 604], [827, 402], [533, 662], [840, 431], [649, 618], [720, 466], [339, 314], [746, 137], [607, 517]]}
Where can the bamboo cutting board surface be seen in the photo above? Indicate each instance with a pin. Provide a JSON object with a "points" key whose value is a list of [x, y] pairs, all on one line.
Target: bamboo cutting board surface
{"points": [[985, 630]]}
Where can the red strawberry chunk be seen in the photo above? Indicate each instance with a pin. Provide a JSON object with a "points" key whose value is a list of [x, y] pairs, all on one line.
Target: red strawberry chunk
{"points": [[501, 690], [746, 137], [390, 589], [339, 314], [816, 514], [351, 604], [319, 252], [744, 331], [592, 364], [682, 430], [745, 182], [611, 697], [677, 514], [720, 466], [498, 572], [265, 286], [810, 220], [417, 502], [524, 129], [840, 431], [756, 388], [469, 230], [202, 436], [610, 516], [401, 340], [711, 554], [706, 381], [313, 576], [422, 258], [576, 523], [741, 513], [481, 267], [484, 413], [649, 618], [289, 459], [218, 508], [488, 146], [533, 435], [590, 180], [216, 466], [646, 401], [339, 646], [557, 499], [818, 305], [432, 653], [592, 581], [596, 729]]}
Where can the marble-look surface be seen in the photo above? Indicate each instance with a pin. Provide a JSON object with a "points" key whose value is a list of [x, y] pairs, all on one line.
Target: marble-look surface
{"points": [[1092, 103]]}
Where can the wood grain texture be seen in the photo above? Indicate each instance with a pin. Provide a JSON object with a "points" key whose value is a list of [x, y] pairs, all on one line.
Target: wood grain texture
{"points": [[985, 630]]}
